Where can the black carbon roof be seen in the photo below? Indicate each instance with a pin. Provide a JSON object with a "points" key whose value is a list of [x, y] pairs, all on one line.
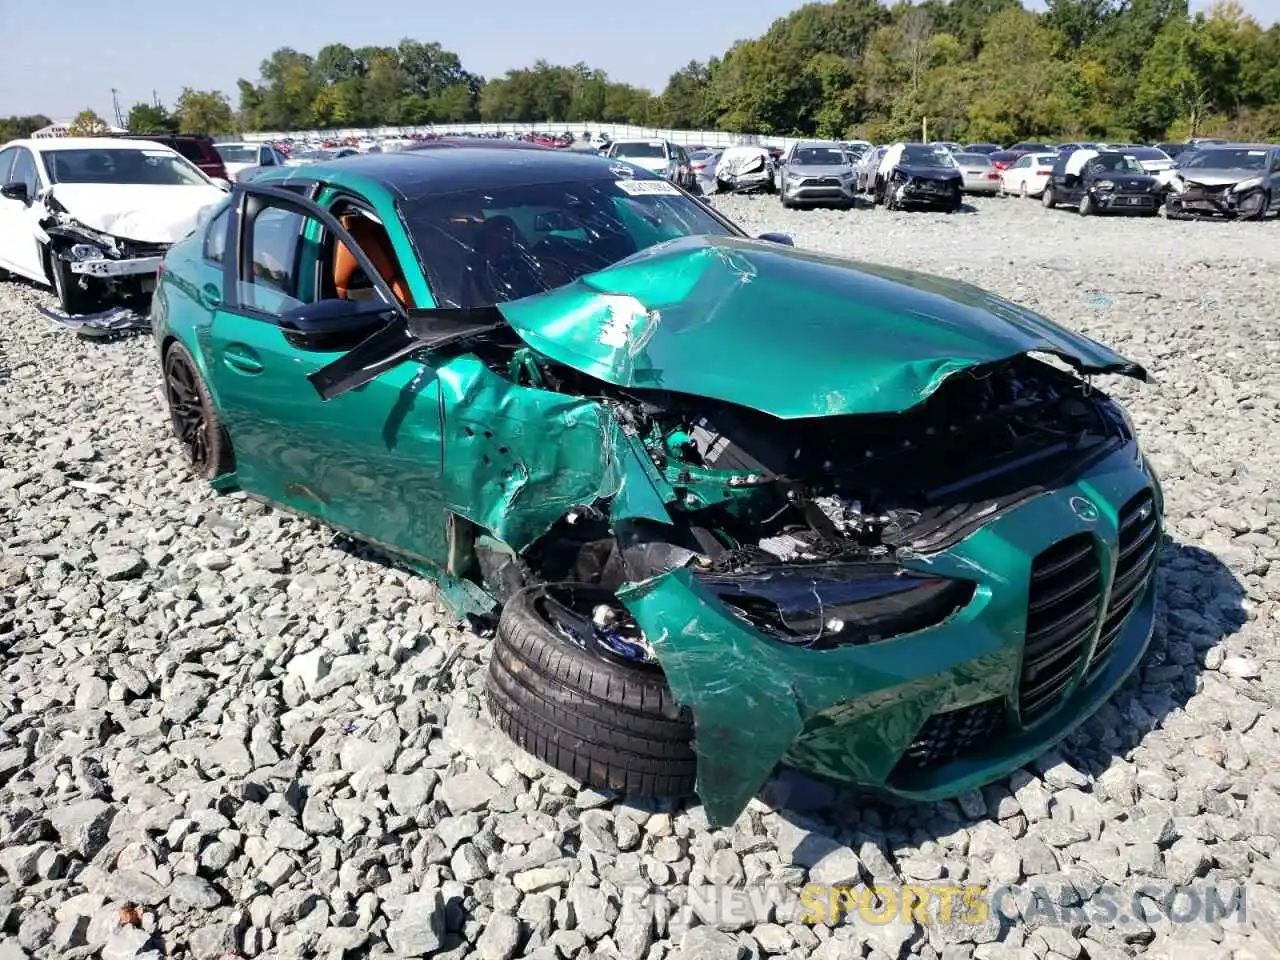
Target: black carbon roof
{"points": [[447, 166]]}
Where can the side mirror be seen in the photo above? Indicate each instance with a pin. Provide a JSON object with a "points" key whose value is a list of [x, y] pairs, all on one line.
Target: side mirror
{"points": [[334, 325], [15, 191], [782, 238]]}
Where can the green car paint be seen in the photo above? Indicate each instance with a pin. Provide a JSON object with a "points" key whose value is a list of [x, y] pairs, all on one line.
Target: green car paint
{"points": [[850, 713], [443, 439], [789, 332]]}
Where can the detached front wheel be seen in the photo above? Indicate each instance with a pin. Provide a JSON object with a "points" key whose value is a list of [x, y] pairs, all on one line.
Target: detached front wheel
{"points": [[192, 415], [587, 701]]}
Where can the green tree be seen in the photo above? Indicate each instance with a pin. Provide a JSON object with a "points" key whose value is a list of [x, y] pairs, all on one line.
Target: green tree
{"points": [[15, 128], [204, 111], [88, 124], [151, 118]]}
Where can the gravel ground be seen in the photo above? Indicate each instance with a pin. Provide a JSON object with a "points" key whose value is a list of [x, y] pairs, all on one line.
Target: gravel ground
{"points": [[227, 733]]}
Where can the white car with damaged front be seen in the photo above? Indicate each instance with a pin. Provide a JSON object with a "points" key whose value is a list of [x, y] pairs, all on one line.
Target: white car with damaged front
{"points": [[93, 217]]}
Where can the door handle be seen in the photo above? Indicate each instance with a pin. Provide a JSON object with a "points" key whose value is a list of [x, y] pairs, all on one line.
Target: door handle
{"points": [[240, 358], [210, 295]]}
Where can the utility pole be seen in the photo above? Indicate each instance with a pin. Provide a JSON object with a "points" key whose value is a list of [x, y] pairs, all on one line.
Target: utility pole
{"points": [[155, 99], [115, 102]]}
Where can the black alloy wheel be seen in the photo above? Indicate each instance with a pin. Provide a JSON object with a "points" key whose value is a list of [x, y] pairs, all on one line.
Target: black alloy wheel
{"points": [[191, 415]]}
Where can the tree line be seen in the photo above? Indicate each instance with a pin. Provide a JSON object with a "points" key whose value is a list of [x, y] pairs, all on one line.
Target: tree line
{"points": [[973, 69]]}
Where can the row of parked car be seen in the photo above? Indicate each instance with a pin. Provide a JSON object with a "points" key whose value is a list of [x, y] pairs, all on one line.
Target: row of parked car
{"points": [[1202, 177]]}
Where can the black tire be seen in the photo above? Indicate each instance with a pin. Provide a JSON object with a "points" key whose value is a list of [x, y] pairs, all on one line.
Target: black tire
{"points": [[72, 297], [1086, 205], [1046, 198], [193, 417], [605, 722]]}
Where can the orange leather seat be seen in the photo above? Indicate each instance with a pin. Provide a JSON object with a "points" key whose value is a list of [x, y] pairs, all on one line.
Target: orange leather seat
{"points": [[373, 240]]}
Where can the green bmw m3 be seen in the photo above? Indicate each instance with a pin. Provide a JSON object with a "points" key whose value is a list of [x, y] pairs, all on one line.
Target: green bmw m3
{"points": [[725, 504]]}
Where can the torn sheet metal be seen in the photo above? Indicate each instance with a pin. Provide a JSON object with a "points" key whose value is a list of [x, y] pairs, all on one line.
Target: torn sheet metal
{"points": [[517, 459], [789, 332], [116, 322]]}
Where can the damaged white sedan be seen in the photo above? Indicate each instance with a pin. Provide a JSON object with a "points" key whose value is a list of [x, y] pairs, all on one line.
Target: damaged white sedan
{"points": [[93, 217]]}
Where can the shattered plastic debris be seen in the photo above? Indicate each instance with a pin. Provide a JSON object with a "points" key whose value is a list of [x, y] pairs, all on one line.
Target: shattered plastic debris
{"points": [[116, 322]]}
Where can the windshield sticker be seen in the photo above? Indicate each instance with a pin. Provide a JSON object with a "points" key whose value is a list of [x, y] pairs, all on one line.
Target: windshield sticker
{"points": [[648, 188], [1257, 153], [156, 153]]}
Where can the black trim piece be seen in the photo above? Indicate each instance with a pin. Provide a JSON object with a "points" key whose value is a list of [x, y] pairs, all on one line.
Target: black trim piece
{"points": [[424, 329]]}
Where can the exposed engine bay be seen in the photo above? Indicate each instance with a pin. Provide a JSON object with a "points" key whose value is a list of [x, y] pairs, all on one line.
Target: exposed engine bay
{"points": [[801, 515]]}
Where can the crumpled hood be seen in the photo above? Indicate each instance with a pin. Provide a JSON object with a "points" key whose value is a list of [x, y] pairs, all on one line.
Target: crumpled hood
{"points": [[1218, 178], [141, 212], [788, 332], [930, 173]]}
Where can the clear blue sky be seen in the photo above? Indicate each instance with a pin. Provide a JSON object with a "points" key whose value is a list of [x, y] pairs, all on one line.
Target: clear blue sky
{"points": [[64, 55]]}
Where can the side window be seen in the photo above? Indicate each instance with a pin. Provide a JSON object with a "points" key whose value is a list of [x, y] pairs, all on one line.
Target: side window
{"points": [[215, 237], [1275, 162], [265, 157], [6, 163], [274, 286], [24, 171]]}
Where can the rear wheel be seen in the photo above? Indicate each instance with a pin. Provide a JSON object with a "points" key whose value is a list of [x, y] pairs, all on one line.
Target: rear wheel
{"points": [[192, 416], [1047, 197], [73, 298], [572, 700]]}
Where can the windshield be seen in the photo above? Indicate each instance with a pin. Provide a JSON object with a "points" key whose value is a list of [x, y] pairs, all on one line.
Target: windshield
{"points": [[1147, 153], [927, 157], [825, 156], [482, 247], [236, 153], [1227, 160], [972, 160], [1114, 163], [119, 165], [639, 151]]}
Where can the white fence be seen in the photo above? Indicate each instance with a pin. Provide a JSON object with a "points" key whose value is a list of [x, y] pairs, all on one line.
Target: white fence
{"points": [[614, 131]]}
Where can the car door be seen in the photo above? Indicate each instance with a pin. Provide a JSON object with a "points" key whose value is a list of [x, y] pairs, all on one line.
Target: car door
{"points": [[368, 461], [8, 208], [19, 249]]}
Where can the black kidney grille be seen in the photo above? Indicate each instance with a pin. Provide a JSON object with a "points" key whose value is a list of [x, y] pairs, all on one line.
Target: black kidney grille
{"points": [[1139, 540], [1064, 605], [953, 734]]}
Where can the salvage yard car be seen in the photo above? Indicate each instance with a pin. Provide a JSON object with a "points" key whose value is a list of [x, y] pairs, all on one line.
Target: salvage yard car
{"points": [[891, 545], [93, 216], [816, 172], [921, 176], [1095, 181], [1226, 181]]}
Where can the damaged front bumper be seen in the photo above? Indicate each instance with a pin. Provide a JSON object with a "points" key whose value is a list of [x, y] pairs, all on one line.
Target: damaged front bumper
{"points": [[1196, 200], [1061, 612], [103, 268]]}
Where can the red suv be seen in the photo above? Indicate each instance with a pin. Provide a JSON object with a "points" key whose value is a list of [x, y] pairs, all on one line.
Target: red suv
{"points": [[198, 149]]}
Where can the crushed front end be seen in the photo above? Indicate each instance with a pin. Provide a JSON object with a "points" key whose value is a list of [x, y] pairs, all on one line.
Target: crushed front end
{"points": [[124, 266], [910, 188], [916, 602], [1243, 199]]}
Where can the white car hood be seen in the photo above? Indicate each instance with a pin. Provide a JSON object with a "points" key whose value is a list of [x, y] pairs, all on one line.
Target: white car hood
{"points": [[652, 164], [141, 212]]}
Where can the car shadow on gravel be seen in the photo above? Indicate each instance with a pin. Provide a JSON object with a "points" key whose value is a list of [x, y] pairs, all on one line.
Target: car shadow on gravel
{"points": [[1199, 603]]}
